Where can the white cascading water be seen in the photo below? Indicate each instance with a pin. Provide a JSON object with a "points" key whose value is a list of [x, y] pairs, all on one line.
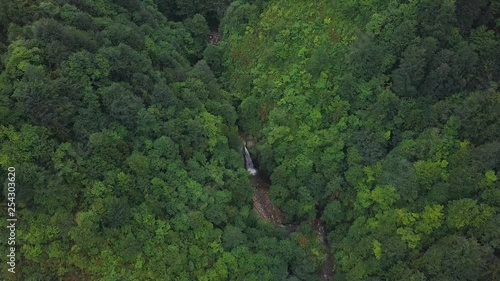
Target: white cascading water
{"points": [[249, 163]]}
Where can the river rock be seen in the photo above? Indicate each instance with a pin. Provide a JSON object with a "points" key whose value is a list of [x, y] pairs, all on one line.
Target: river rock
{"points": [[250, 143]]}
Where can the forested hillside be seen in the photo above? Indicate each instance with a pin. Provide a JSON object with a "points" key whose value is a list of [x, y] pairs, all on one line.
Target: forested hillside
{"points": [[383, 119], [380, 118], [126, 149]]}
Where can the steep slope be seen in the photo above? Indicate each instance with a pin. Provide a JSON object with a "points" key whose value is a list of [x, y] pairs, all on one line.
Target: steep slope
{"points": [[126, 150], [374, 116]]}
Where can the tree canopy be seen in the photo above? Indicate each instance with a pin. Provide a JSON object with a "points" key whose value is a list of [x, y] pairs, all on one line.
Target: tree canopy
{"points": [[378, 120]]}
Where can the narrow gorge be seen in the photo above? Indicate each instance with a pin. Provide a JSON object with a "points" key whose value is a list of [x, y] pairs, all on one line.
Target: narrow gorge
{"points": [[268, 212]]}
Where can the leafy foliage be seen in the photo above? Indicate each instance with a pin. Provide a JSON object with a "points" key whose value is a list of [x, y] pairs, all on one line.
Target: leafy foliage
{"points": [[126, 147], [379, 117]]}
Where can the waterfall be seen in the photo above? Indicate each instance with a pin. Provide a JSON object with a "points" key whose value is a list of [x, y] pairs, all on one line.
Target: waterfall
{"points": [[248, 162]]}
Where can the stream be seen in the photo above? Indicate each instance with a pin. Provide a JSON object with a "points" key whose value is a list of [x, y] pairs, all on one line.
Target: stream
{"points": [[267, 211]]}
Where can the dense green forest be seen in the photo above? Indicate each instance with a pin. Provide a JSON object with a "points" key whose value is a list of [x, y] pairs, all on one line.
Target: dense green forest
{"points": [[126, 150], [380, 118]]}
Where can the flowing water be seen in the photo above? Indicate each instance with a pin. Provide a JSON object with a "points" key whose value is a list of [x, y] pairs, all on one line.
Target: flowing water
{"points": [[266, 210], [248, 162]]}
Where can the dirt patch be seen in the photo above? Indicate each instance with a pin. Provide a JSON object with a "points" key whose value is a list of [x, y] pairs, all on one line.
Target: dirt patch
{"points": [[263, 205], [267, 211], [328, 268]]}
